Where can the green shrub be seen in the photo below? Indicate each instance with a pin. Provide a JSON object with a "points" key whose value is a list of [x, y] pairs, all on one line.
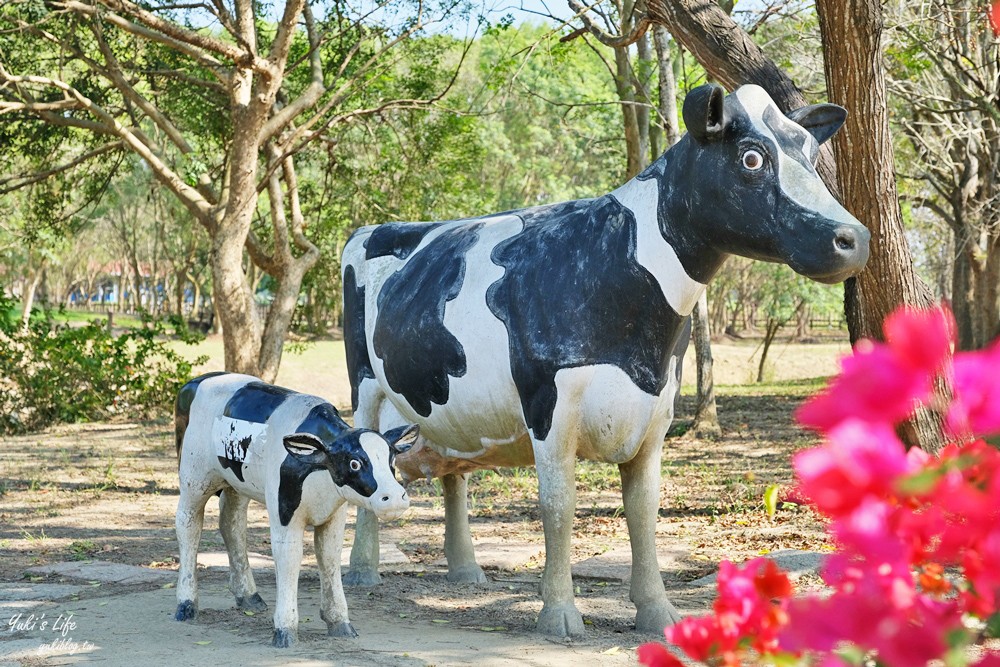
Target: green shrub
{"points": [[51, 373]]}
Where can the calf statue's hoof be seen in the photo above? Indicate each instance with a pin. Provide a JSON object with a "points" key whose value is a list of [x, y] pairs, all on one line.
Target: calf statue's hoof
{"points": [[469, 574], [562, 620], [283, 638], [186, 611], [361, 577], [254, 603], [344, 629], [653, 617]]}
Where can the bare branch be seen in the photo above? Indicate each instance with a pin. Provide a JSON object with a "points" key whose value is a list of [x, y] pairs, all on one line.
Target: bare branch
{"points": [[12, 183], [642, 24]]}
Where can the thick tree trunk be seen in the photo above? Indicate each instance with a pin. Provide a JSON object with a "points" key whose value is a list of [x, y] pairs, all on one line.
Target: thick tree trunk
{"points": [[863, 151], [641, 81], [233, 300]]}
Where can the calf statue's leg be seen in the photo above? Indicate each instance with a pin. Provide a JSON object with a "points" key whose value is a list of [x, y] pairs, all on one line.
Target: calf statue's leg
{"points": [[286, 545], [233, 525], [641, 497], [189, 521], [333, 604], [462, 566], [555, 460]]}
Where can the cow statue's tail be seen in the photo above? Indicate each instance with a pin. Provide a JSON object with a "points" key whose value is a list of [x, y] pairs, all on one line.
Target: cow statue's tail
{"points": [[353, 277]]}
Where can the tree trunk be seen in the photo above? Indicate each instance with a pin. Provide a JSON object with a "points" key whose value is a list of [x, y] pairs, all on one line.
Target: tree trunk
{"points": [[668, 86], [634, 159], [771, 330], [641, 81], [706, 417], [234, 301], [28, 298], [863, 152], [963, 300]]}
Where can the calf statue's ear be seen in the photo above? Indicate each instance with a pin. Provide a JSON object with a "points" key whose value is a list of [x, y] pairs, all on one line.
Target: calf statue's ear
{"points": [[305, 447], [820, 120], [705, 112], [402, 438]]}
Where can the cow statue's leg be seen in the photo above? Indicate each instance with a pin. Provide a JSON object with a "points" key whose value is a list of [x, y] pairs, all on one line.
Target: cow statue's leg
{"points": [[555, 459], [458, 550], [286, 545], [189, 522], [333, 604], [641, 498], [363, 568], [233, 525]]}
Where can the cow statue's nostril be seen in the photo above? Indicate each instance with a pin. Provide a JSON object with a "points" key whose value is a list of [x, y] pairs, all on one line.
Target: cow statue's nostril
{"points": [[845, 240]]}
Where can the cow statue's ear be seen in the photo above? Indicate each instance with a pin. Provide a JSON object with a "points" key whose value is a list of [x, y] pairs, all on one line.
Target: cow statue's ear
{"points": [[820, 120], [402, 438], [305, 447], [705, 112]]}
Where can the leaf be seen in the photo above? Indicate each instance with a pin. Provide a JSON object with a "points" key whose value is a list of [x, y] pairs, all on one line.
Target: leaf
{"points": [[247, 612], [204, 643], [170, 585], [614, 650], [771, 500], [439, 620], [993, 626]]}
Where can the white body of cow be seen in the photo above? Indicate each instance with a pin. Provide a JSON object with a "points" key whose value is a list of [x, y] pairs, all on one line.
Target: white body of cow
{"points": [[554, 333]]}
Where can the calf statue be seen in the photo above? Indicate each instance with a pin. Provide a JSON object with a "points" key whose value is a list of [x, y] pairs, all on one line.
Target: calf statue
{"points": [[553, 333], [243, 439]]}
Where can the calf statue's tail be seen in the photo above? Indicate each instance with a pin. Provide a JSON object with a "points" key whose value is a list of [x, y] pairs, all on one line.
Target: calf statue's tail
{"points": [[182, 408]]}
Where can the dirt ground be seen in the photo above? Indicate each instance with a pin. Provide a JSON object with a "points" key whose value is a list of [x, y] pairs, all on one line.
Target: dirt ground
{"points": [[107, 492]]}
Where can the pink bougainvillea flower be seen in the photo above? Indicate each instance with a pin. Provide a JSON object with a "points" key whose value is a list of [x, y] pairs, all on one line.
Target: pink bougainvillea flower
{"points": [[991, 659], [883, 382], [655, 654], [976, 383], [874, 386], [921, 339], [995, 18], [860, 459]]}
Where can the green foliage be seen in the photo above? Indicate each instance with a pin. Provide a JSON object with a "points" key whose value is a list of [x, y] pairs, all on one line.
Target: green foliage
{"points": [[51, 374]]}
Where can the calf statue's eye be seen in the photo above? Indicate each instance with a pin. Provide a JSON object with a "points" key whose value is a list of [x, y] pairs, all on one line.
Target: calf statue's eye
{"points": [[355, 465], [753, 160]]}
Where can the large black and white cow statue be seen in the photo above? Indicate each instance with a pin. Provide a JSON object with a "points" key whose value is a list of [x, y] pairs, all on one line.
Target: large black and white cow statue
{"points": [[245, 439], [556, 332]]}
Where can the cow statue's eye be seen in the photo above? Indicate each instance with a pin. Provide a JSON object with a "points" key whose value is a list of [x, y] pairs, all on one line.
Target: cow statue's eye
{"points": [[355, 465], [753, 160]]}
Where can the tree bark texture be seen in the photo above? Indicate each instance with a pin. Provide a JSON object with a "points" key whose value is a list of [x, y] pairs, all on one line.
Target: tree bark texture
{"points": [[851, 31]]}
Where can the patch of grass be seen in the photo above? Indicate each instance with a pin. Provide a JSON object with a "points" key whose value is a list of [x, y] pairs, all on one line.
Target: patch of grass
{"points": [[82, 549], [795, 388]]}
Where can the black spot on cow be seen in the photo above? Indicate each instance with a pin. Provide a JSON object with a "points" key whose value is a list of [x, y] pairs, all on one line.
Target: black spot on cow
{"points": [[399, 239], [418, 352], [182, 407], [359, 364], [235, 450], [791, 140], [256, 402], [562, 311]]}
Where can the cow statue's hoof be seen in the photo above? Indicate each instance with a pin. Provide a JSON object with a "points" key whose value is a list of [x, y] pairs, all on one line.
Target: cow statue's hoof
{"points": [[469, 574], [563, 620], [344, 629], [362, 577], [186, 611], [254, 603], [651, 618], [283, 638]]}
